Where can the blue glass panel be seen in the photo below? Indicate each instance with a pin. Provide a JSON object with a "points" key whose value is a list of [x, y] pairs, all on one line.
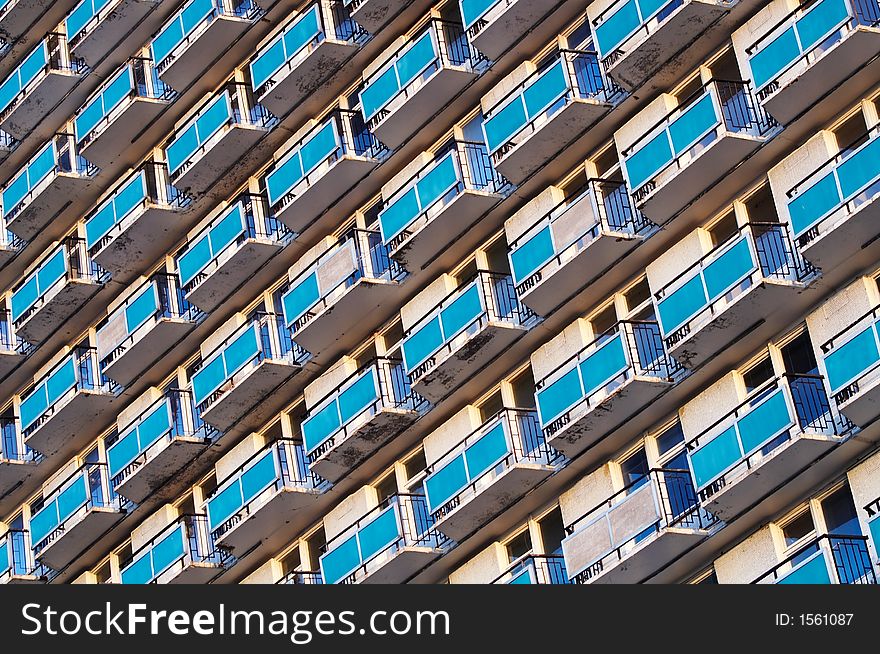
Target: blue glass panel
{"points": [[224, 504], [728, 269], [545, 90], [167, 551], [194, 260], [227, 231], [473, 10], [99, 224], [154, 426], [284, 177], [259, 476], [180, 150], [24, 75], [41, 166], [213, 118], [679, 306], [195, 13], [874, 529], [61, 380], [847, 362], [358, 396], [820, 20], [522, 577], [319, 147], [532, 254], [140, 571], [690, 126], [81, 15], [603, 365], [15, 191], [767, 63], [302, 32], [167, 40], [24, 298], [422, 344], [860, 169], [267, 62], [299, 299], [89, 117], [208, 379], [437, 181], [764, 422], [487, 451], [72, 498], [129, 197], [811, 205], [398, 215], [52, 270], [379, 92], [241, 351], [142, 308], [466, 308], [341, 561], [419, 56], [123, 452], [651, 7], [43, 522], [446, 482], [319, 426], [644, 163], [715, 456], [559, 396], [4, 557], [379, 534], [504, 123], [813, 571], [617, 27], [33, 406]]}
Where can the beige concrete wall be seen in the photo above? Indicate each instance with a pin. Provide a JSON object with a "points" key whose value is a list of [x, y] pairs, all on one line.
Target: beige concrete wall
{"points": [[385, 56], [586, 494], [308, 259], [560, 348], [678, 258], [244, 450], [450, 433], [531, 212], [482, 568], [406, 174], [86, 578], [749, 559], [131, 411], [713, 403], [268, 573], [513, 79], [841, 310], [45, 369], [757, 26], [329, 381], [151, 526], [797, 165], [349, 511], [426, 300], [643, 122], [212, 342]]}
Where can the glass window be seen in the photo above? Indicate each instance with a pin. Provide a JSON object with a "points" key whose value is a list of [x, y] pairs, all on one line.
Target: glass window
{"points": [[604, 323], [670, 438], [634, 469], [552, 532], [758, 375], [798, 529], [840, 515], [798, 356], [519, 545]]}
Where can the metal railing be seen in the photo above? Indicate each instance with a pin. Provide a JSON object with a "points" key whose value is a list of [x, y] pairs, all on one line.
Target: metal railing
{"points": [[302, 578], [21, 561], [846, 557], [8, 340], [12, 446], [859, 324], [537, 568], [646, 26]]}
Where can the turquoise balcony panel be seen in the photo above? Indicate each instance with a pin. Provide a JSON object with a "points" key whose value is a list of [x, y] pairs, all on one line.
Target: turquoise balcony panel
{"points": [[17, 565], [60, 284], [816, 46], [725, 292], [615, 376], [636, 38], [637, 531], [543, 114], [260, 495], [96, 27], [326, 303], [694, 146], [72, 514], [778, 433], [368, 409], [494, 26], [833, 210], [40, 192], [437, 350], [387, 545], [487, 471], [150, 565], [433, 65], [239, 382], [827, 559], [230, 250], [185, 144], [577, 240], [313, 45], [186, 45], [443, 199]]}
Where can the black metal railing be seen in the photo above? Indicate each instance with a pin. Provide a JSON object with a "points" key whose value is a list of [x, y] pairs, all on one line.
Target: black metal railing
{"points": [[846, 556], [302, 578], [645, 27], [21, 562], [537, 569]]}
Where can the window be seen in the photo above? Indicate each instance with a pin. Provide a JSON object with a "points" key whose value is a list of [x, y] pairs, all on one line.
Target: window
{"points": [[723, 229], [758, 374], [670, 438], [415, 465], [552, 532], [851, 133], [635, 469], [637, 295], [315, 545], [386, 487], [290, 561], [604, 323], [795, 533], [519, 545], [491, 406], [580, 37], [523, 389], [839, 513], [798, 356]]}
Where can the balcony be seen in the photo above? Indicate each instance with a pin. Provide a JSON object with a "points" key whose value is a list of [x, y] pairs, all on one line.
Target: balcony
{"points": [[182, 553], [485, 473], [222, 132], [635, 38], [120, 109], [494, 26], [304, 55], [852, 363], [346, 283], [13, 350], [157, 445], [832, 211], [637, 531], [16, 560], [17, 461], [577, 240], [31, 92], [324, 164], [231, 249], [728, 290], [10, 244], [137, 224], [418, 80], [188, 44], [301, 578], [74, 516], [95, 27], [387, 545], [145, 327], [775, 435], [828, 559], [717, 128], [244, 371], [603, 384], [464, 332], [813, 49], [44, 188], [373, 15], [261, 495], [61, 414], [18, 16], [543, 114], [365, 411], [535, 569], [59, 286], [440, 203]]}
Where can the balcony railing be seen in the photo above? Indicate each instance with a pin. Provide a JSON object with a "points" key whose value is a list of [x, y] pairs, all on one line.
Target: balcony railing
{"points": [[759, 252], [776, 413], [673, 504], [302, 578], [9, 342], [249, 218], [627, 20], [171, 417], [575, 75], [629, 349], [828, 559], [465, 166], [380, 384], [12, 446], [282, 465], [539, 248], [312, 293], [183, 543], [487, 298], [399, 522], [136, 79], [803, 36], [535, 569], [16, 557], [511, 437], [852, 356], [68, 262], [671, 145]]}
